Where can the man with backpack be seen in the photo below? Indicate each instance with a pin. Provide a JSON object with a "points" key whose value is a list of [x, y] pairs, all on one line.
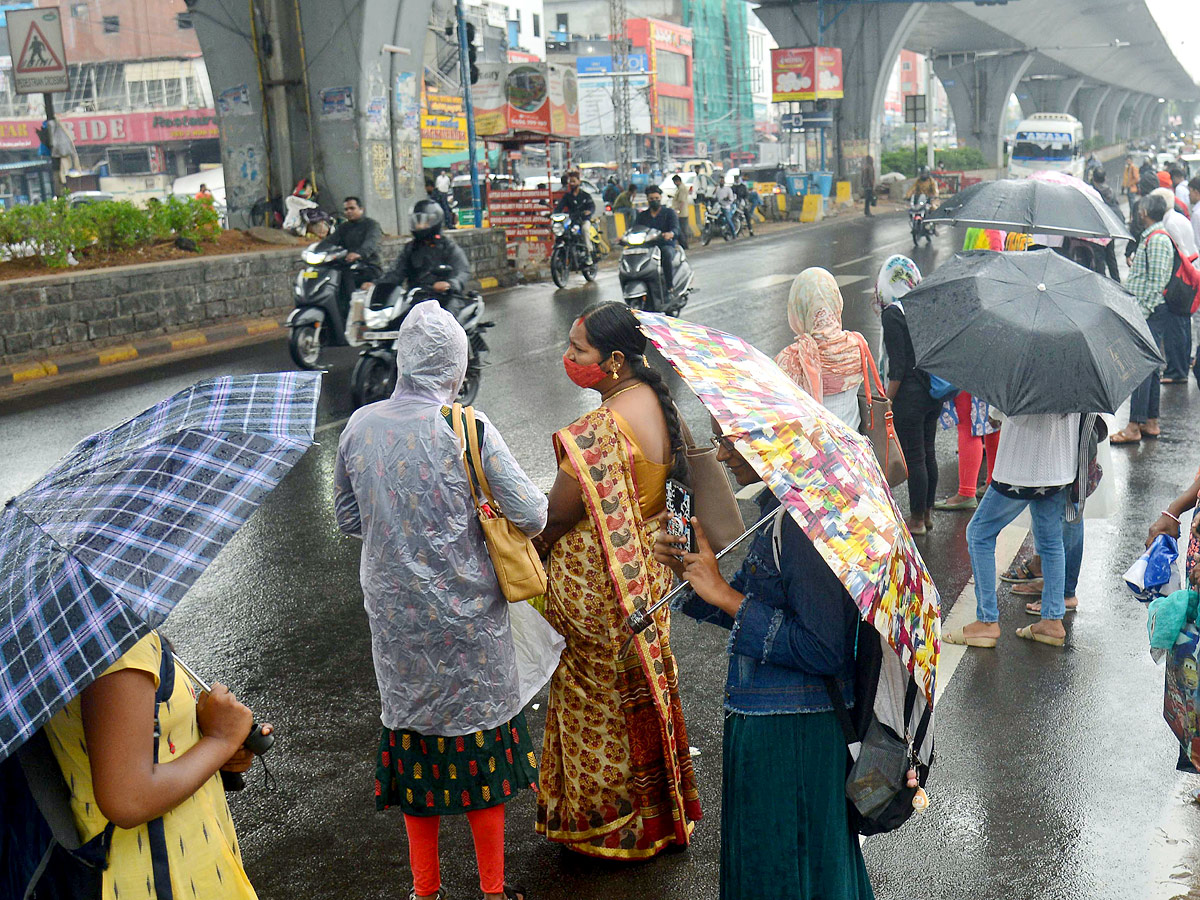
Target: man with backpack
{"points": [[1149, 273]]}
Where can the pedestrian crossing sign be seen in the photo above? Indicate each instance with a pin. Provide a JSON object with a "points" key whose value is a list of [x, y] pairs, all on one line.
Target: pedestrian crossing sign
{"points": [[39, 62]]}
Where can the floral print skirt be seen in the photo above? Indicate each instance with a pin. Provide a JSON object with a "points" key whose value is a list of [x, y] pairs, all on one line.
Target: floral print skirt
{"points": [[433, 775]]}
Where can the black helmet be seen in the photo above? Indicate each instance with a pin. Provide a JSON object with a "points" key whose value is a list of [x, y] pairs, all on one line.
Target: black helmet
{"points": [[427, 219], [923, 171]]}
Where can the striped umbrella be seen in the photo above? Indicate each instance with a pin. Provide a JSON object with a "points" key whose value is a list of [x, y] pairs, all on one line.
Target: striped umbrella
{"points": [[100, 550]]}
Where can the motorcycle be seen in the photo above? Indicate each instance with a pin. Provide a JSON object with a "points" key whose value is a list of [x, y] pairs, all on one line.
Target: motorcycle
{"points": [[317, 320], [918, 211], [375, 318], [571, 250], [641, 273], [715, 222]]}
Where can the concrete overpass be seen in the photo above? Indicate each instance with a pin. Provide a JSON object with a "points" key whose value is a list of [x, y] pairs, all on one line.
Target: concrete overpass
{"points": [[1106, 61], [308, 85]]}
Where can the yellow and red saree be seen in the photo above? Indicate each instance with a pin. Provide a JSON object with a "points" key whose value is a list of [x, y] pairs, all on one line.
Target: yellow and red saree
{"points": [[616, 775]]}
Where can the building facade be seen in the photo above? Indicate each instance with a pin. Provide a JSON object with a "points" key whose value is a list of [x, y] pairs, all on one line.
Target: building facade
{"points": [[139, 109]]}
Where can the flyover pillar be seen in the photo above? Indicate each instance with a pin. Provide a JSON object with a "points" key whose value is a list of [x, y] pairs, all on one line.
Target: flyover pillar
{"points": [[336, 104], [1106, 121], [1088, 103], [870, 36], [1047, 95], [1135, 114], [979, 89], [1152, 117]]}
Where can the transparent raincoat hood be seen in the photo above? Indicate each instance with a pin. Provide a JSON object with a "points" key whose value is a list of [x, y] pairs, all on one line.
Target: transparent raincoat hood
{"points": [[440, 637]]}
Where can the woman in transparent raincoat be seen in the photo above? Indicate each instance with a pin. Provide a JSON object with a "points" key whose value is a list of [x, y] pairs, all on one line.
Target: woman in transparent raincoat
{"points": [[454, 738]]}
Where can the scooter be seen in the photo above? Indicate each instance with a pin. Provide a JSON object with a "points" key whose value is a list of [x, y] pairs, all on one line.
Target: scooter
{"points": [[375, 318], [918, 210], [641, 274], [571, 251], [317, 320]]}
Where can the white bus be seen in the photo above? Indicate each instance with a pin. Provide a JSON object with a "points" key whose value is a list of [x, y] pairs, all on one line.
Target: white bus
{"points": [[1051, 141]]}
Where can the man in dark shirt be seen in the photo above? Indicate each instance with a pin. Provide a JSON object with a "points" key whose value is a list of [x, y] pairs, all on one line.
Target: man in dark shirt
{"points": [[655, 215], [361, 236], [419, 259], [577, 203]]}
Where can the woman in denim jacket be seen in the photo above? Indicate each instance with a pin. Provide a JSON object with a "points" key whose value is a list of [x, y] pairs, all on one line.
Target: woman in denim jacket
{"points": [[784, 832]]}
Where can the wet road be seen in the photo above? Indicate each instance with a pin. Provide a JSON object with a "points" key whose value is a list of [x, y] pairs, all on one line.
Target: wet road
{"points": [[1055, 775]]}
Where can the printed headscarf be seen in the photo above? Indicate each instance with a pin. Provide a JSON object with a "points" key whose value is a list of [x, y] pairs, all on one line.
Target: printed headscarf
{"points": [[824, 359], [897, 276]]}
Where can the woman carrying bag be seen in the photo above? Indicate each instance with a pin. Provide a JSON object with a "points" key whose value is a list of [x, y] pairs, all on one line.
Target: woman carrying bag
{"points": [[454, 738]]}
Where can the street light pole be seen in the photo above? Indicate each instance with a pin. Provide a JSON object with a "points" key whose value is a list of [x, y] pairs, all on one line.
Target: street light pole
{"points": [[464, 74]]}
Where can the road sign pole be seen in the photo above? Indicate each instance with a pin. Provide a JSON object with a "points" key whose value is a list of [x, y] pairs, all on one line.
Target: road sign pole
{"points": [[464, 74], [56, 179]]}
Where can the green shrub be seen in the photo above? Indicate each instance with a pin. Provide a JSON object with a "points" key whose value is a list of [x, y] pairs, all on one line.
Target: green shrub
{"points": [[52, 230], [953, 159]]}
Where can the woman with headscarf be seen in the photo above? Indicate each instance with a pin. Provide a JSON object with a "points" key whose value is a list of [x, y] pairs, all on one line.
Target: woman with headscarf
{"points": [[915, 411], [617, 779], [454, 738], [824, 359]]}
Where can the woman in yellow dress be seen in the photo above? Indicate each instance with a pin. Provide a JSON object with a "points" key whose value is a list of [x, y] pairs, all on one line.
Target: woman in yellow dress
{"points": [[161, 822], [617, 778]]}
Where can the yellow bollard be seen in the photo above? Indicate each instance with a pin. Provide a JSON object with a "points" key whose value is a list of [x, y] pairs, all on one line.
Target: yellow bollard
{"points": [[781, 202], [844, 197], [813, 209], [693, 218], [619, 222]]}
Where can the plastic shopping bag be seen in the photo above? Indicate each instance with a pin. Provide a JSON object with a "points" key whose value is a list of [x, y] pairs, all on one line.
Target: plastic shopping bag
{"points": [[1154, 573], [537, 645]]}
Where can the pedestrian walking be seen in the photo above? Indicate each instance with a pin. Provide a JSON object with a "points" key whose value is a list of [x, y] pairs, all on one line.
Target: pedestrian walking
{"points": [[915, 411], [1036, 462], [1129, 179], [784, 827], [1149, 272], [824, 360], [617, 779], [1179, 184], [139, 801], [681, 202], [868, 184], [1194, 200], [454, 739]]}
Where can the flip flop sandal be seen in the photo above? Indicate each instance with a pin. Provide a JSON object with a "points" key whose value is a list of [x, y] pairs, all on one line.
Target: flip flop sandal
{"points": [[1019, 572], [513, 892], [1028, 588], [956, 504], [1151, 435], [1035, 609], [1121, 438], [1030, 635], [957, 636]]}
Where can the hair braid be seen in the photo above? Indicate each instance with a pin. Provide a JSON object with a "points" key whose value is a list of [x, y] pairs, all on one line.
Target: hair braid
{"points": [[651, 376]]}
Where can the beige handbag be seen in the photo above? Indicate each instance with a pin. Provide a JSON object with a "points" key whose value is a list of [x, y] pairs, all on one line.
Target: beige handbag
{"points": [[712, 498], [518, 568], [875, 413]]}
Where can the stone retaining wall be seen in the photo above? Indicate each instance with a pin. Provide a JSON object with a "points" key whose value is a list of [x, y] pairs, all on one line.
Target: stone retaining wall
{"points": [[98, 308]]}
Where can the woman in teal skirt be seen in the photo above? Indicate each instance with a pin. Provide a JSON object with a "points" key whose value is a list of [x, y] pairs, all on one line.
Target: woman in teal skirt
{"points": [[784, 830], [454, 739]]}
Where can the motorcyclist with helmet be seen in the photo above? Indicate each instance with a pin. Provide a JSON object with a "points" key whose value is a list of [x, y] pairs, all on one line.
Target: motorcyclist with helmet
{"points": [[429, 248], [578, 204], [925, 184]]}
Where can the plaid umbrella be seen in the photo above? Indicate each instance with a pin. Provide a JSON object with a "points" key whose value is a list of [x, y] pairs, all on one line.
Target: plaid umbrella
{"points": [[824, 474], [102, 548]]}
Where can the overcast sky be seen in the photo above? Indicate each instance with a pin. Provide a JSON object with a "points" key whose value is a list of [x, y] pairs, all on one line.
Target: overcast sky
{"points": [[1177, 20]]}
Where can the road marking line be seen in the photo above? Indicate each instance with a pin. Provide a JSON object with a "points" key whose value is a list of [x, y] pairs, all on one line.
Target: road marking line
{"points": [[117, 354], [183, 343], [875, 252], [847, 280], [328, 425], [37, 370], [767, 281], [1008, 545]]}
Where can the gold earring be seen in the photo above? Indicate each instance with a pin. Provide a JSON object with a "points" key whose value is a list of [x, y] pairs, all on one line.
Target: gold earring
{"points": [[616, 375]]}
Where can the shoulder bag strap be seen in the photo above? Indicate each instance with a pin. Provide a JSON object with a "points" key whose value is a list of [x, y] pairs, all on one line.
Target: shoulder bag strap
{"points": [[474, 431], [155, 832], [853, 743], [455, 419], [870, 372]]}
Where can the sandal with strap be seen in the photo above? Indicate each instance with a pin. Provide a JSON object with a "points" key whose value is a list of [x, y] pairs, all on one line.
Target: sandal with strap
{"points": [[515, 892], [441, 894], [1030, 635], [1019, 572]]}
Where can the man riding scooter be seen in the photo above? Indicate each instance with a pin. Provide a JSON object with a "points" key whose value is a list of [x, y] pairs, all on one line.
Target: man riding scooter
{"points": [[429, 248], [666, 221], [726, 198], [577, 204], [360, 235]]}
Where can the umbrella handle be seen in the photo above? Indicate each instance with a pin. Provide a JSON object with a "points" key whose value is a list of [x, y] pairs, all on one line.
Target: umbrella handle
{"points": [[643, 618]]}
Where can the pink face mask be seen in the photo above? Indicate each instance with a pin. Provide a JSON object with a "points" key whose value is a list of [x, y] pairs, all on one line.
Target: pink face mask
{"points": [[585, 376]]}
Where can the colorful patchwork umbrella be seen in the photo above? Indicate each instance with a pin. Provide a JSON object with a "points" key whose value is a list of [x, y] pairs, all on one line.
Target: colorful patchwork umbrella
{"points": [[103, 547], [825, 474]]}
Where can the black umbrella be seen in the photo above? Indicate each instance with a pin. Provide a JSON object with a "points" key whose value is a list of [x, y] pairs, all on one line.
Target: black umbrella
{"points": [[1030, 332], [1028, 205]]}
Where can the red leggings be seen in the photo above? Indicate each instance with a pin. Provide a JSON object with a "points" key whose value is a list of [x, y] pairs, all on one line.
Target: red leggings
{"points": [[487, 828], [970, 448]]}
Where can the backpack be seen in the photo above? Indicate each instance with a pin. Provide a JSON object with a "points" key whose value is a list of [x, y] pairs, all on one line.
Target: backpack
{"points": [[886, 703], [41, 855], [1182, 293]]}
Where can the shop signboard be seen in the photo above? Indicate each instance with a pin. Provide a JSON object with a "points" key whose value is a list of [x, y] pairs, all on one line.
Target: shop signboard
{"points": [[806, 73], [102, 129], [530, 98]]}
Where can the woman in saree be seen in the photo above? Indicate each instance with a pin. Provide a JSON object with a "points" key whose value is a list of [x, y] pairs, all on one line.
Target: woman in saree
{"points": [[617, 779], [824, 359]]}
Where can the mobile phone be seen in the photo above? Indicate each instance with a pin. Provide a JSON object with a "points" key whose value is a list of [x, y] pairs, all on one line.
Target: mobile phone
{"points": [[679, 513]]}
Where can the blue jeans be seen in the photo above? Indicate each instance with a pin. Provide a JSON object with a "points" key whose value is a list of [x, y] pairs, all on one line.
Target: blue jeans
{"points": [[1176, 342], [727, 212], [1049, 533], [1143, 405]]}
